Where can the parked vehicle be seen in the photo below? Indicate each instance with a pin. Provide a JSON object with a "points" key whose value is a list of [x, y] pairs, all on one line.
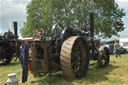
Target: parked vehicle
{"points": [[112, 51], [123, 50], [110, 47]]}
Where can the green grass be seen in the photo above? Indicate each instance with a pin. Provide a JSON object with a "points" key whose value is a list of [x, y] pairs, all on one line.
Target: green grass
{"points": [[115, 74]]}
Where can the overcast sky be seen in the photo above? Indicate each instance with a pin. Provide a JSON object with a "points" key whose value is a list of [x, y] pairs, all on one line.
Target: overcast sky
{"points": [[10, 11], [124, 4], [15, 10]]}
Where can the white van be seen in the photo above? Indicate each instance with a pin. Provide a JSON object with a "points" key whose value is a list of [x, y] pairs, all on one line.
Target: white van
{"points": [[124, 43]]}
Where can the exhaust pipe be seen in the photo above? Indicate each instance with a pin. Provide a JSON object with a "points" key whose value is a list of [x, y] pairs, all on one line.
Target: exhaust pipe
{"points": [[15, 29], [92, 31], [91, 24]]}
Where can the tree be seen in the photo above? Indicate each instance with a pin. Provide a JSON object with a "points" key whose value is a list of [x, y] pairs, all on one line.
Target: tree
{"points": [[45, 13]]}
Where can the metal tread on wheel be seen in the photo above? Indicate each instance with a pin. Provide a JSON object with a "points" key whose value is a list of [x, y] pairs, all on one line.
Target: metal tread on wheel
{"points": [[74, 57]]}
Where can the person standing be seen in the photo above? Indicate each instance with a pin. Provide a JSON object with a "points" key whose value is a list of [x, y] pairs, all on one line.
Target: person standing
{"points": [[117, 49]]}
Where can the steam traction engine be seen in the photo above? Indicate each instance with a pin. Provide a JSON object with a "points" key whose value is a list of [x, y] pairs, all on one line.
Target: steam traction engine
{"points": [[9, 46], [67, 50]]}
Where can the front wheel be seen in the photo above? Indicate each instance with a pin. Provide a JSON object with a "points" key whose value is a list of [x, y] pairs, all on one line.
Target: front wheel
{"points": [[104, 56], [6, 60]]}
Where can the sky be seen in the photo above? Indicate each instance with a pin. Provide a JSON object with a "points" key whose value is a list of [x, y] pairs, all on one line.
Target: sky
{"points": [[15, 10], [124, 4], [10, 11]]}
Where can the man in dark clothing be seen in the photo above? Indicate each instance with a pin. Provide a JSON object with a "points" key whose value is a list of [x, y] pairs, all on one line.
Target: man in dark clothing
{"points": [[24, 62]]}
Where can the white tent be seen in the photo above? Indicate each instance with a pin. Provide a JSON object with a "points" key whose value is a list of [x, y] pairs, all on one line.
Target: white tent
{"points": [[124, 42]]}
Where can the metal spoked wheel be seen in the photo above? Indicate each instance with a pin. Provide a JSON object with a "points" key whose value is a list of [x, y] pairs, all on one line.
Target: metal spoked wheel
{"points": [[5, 53], [104, 57], [74, 57], [5, 60]]}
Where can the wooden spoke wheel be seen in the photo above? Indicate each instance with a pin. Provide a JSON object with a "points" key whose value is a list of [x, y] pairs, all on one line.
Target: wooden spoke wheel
{"points": [[74, 57], [104, 57]]}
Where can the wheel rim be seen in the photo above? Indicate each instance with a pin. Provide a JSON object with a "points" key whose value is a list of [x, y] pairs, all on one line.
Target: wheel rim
{"points": [[103, 57], [78, 55]]}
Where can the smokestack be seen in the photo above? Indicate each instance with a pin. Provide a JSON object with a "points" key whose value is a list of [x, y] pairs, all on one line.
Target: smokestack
{"points": [[15, 29], [92, 30], [91, 24]]}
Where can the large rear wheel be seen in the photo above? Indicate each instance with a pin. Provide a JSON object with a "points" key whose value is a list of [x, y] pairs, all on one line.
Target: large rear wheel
{"points": [[74, 57]]}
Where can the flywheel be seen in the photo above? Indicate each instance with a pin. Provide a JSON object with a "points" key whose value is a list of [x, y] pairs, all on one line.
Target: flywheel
{"points": [[74, 57]]}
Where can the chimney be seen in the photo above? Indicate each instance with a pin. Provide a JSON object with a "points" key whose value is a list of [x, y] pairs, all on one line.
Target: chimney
{"points": [[15, 29], [91, 24]]}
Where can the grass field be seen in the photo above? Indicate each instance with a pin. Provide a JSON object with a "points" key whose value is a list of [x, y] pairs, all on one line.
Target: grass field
{"points": [[115, 74]]}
